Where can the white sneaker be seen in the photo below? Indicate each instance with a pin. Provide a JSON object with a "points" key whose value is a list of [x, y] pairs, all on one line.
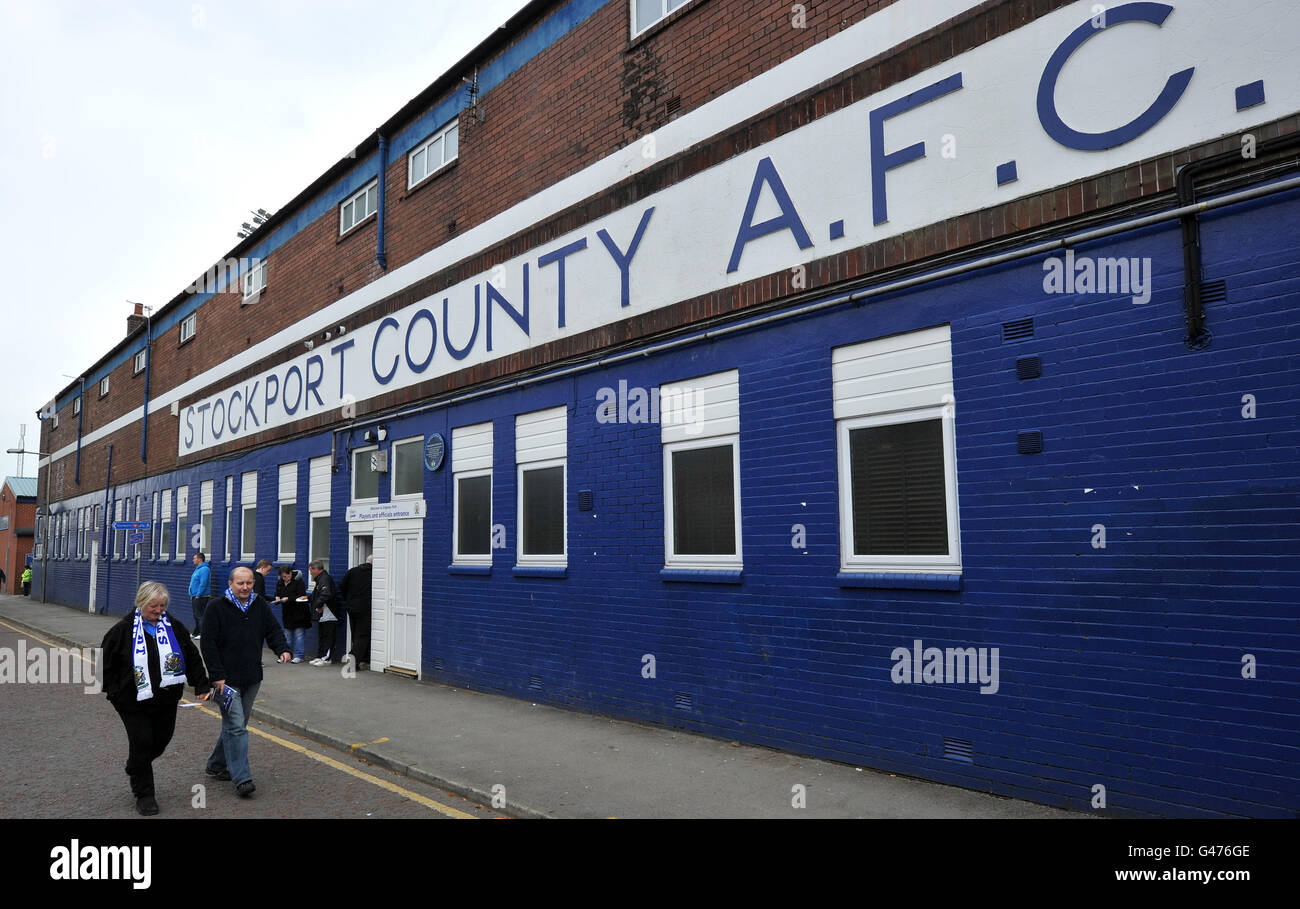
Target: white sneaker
{"points": [[296, 660], [318, 662]]}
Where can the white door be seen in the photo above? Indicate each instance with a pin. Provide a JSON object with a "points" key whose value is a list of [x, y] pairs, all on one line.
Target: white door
{"points": [[404, 587], [94, 572]]}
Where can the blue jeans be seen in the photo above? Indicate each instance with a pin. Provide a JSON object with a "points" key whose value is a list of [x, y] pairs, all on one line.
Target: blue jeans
{"points": [[231, 752], [297, 638]]}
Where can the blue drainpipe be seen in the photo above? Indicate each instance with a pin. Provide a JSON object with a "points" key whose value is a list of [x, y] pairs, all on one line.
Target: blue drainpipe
{"points": [[380, 256]]}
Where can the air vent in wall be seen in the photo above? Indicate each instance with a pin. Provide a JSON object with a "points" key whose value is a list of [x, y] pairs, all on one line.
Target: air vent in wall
{"points": [[1017, 330], [1029, 442], [682, 701], [535, 682], [673, 106], [437, 664], [1029, 368], [584, 500], [958, 750], [1214, 292]]}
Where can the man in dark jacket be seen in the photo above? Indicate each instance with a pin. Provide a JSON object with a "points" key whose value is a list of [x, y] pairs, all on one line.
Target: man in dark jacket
{"points": [[355, 588], [325, 603], [235, 625], [147, 660], [260, 572]]}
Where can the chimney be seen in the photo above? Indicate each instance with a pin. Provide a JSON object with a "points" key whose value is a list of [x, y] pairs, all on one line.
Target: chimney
{"points": [[135, 320]]}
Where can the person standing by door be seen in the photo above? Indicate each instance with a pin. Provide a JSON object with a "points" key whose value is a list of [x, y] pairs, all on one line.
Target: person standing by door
{"points": [[355, 589], [325, 603], [291, 594]]}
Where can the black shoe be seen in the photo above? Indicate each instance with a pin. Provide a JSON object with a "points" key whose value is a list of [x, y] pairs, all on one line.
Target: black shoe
{"points": [[217, 774], [146, 805], [245, 789]]}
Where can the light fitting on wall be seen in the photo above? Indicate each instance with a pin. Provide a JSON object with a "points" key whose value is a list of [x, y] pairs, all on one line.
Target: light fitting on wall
{"points": [[309, 344], [383, 433]]}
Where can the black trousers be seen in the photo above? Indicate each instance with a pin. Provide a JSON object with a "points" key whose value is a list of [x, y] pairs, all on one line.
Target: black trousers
{"points": [[149, 729], [326, 633], [360, 622], [198, 604]]}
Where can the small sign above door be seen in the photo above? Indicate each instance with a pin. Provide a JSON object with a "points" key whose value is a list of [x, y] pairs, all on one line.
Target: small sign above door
{"points": [[411, 508]]}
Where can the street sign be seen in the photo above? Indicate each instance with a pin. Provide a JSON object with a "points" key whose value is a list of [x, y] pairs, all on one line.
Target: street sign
{"points": [[134, 538], [132, 525]]}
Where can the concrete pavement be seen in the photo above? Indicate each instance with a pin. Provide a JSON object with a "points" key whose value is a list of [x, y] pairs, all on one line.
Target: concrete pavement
{"points": [[551, 762]]}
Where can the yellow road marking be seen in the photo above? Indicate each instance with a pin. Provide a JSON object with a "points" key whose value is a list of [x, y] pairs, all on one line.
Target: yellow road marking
{"points": [[363, 744], [48, 643], [294, 746]]}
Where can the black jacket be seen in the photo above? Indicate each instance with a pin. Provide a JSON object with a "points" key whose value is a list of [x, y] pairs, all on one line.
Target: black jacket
{"points": [[296, 615], [355, 587], [259, 583], [325, 594], [232, 639], [119, 667]]}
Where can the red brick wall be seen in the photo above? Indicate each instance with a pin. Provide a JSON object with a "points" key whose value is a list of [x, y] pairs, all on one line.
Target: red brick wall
{"points": [[14, 549], [592, 92]]}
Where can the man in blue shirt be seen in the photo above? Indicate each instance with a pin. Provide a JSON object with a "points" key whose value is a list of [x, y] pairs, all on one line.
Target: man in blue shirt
{"points": [[200, 590]]}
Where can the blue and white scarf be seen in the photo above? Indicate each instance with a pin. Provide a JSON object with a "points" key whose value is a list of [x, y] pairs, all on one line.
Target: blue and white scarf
{"points": [[243, 607], [169, 657]]}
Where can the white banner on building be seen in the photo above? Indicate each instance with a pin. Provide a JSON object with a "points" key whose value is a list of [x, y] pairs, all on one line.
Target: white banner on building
{"points": [[1074, 93]]}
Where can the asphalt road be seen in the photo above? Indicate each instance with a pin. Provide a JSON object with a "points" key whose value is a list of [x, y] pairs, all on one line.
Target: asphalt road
{"points": [[62, 751]]}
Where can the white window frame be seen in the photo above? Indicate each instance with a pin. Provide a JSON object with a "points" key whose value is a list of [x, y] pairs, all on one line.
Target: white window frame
{"points": [[189, 327], [254, 282], [930, 564], [664, 13], [230, 513], [182, 515], [453, 126], [283, 500], [119, 536], [477, 558], [139, 362], [54, 422], [155, 529], [316, 508], [245, 504], [165, 524], [392, 469], [353, 470], [673, 559], [205, 512], [76, 405], [103, 387], [360, 195], [548, 560]]}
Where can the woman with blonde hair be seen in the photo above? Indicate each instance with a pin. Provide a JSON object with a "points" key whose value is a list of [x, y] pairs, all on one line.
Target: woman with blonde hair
{"points": [[147, 661]]}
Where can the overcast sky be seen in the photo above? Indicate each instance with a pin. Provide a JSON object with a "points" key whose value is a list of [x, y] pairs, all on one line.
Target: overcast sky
{"points": [[135, 137]]}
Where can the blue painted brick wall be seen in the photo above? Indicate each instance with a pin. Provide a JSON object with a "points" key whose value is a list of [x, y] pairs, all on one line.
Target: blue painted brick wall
{"points": [[1118, 666]]}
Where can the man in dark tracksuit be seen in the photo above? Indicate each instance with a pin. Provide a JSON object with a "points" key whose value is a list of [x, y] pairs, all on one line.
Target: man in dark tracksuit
{"points": [[355, 588], [325, 603], [235, 625]]}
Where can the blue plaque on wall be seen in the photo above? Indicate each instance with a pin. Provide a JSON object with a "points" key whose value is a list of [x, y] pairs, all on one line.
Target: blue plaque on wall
{"points": [[434, 449]]}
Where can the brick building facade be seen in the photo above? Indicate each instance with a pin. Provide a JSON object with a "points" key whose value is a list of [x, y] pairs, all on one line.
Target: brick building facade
{"points": [[719, 373], [17, 528]]}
